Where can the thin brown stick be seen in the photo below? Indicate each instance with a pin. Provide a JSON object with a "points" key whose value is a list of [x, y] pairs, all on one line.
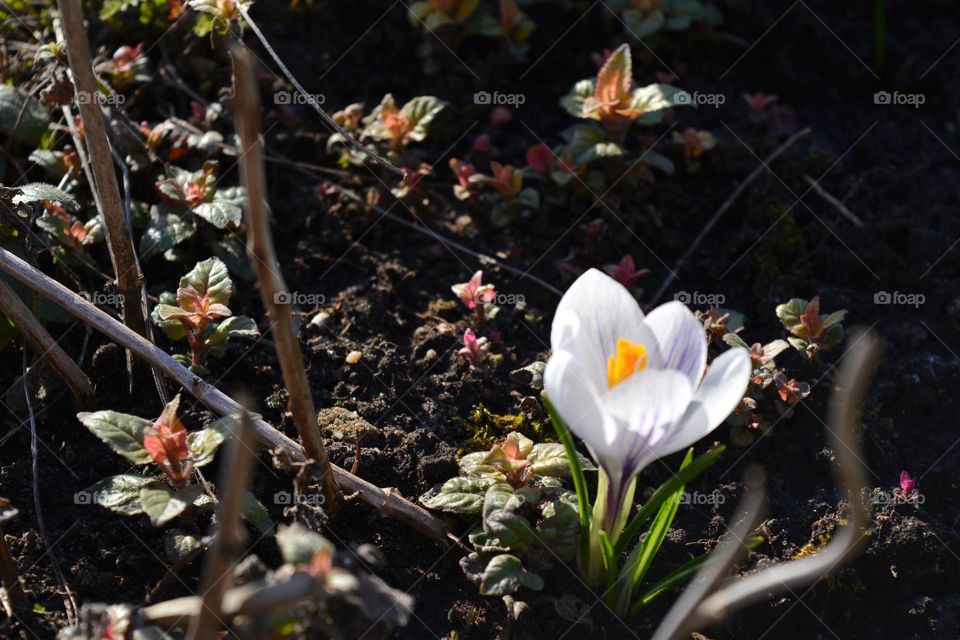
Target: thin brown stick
{"points": [[833, 201], [388, 501], [44, 344], [672, 275], [119, 241], [272, 286], [228, 540]]}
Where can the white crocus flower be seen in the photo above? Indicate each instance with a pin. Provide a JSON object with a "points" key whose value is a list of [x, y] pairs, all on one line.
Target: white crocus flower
{"points": [[633, 387]]}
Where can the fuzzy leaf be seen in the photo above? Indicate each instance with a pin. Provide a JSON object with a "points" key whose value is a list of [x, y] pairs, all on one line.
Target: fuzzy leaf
{"points": [[120, 431], [166, 231], [220, 213], [505, 574], [22, 116], [163, 504], [474, 465], [298, 544], [421, 111], [458, 495], [34, 192], [203, 446], [120, 493], [560, 528], [550, 459], [573, 101], [511, 529], [178, 545], [210, 276]]}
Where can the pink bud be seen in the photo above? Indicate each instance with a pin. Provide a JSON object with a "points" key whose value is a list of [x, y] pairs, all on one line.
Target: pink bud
{"points": [[907, 484]]}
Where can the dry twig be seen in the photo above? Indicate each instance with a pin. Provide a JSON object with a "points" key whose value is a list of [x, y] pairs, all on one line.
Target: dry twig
{"points": [[388, 501], [44, 344], [260, 248]]}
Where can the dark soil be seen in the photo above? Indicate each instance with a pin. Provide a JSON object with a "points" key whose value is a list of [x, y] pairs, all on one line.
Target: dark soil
{"points": [[388, 294]]}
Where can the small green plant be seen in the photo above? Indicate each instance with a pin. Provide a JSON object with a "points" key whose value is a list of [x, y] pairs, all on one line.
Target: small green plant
{"points": [[451, 21], [165, 444], [612, 105], [515, 491], [199, 313], [192, 205], [389, 126], [810, 332]]}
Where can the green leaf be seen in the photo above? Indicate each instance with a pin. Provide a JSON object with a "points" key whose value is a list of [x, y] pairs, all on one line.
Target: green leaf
{"points": [[21, 116], [232, 327], [511, 529], [588, 143], [210, 277], [421, 111], [680, 575], [256, 514], [579, 480], [299, 544], [119, 493], [166, 231], [220, 213], [685, 475], [573, 101], [178, 545], [474, 465], [559, 528], [638, 562], [203, 446], [458, 495], [35, 192], [550, 459], [503, 497], [120, 431], [654, 98], [505, 574], [162, 504]]}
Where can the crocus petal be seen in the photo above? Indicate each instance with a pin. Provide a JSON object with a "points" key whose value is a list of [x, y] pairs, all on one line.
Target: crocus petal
{"points": [[647, 408], [681, 338], [718, 395], [593, 314], [579, 403]]}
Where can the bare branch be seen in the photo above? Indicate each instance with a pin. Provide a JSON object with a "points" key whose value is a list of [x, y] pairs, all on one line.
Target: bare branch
{"points": [[260, 247], [388, 501]]}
